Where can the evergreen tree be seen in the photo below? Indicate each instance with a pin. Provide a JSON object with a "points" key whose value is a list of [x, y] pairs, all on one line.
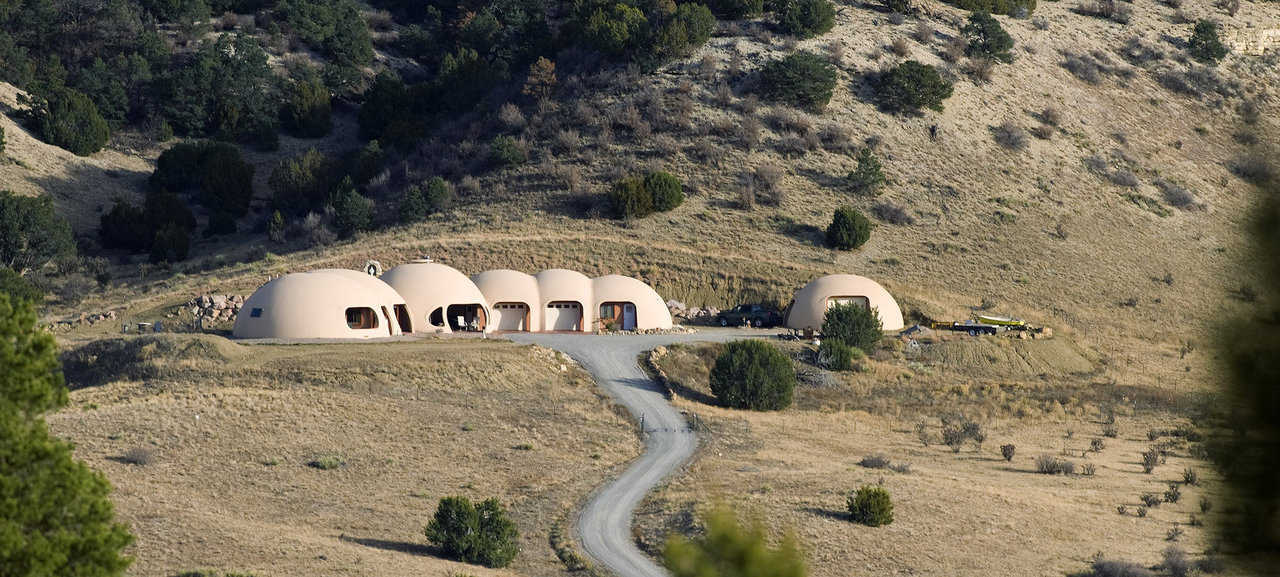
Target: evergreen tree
{"points": [[55, 517], [352, 211], [1205, 45], [730, 549], [911, 86], [867, 177], [987, 39], [848, 230], [32, 234], [413, 207]]}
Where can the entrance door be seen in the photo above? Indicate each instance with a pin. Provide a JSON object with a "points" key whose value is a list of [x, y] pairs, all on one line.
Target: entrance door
{"points": [[511, 316], [563, 316], [628, 317]]}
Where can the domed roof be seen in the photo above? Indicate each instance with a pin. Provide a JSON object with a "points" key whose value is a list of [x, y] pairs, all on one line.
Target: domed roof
{"points": [[313, 305], [427, 286], [371, 283], [511, 286], [651, 311], [809, 308]]}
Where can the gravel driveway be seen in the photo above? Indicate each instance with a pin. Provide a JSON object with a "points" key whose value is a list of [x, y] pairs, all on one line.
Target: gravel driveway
{"points": [[605, 523]]}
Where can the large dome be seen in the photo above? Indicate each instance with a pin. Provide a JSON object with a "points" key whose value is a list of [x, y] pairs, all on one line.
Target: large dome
{"points": [[427, 286], [328, 304], [650, 310], [513, 297]]}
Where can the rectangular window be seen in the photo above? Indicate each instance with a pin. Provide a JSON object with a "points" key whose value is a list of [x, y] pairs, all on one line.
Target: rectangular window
{"points": [[255, 313]]}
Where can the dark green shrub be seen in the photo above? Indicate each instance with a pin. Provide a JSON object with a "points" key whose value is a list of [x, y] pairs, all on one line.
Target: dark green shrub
{"points": [[368, 162], [987, 39], [736, 9], [33, 234], [629, 198], [302, 184], [848, 229], [1007, 451], [807, 18], [413, 207], [871, 506], [307, 112], [1204, 44], [854, 325], [172, 244], [125, 226], [276, 227], [665, 189], [506, 151], [226, 180], [802, 79], [335, 28], [1008, 7], [730, 548], [67, 119], [56, 509], [617, 29], [835, 355], [220, 223], [382, 115], [752, 374], [481, 534], [352, 212], [438, 194], [868, 176], [899, 6], [18, 288], [911, 86], [682, 33], [1, 141]]}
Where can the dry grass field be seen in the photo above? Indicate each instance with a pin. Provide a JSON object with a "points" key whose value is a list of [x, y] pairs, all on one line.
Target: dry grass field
{"points": [[965, 512], [1132, 286], [227, 433]]}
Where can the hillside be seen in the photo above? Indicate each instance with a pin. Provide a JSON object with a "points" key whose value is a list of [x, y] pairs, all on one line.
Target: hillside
{"points": [[1117, 224]]}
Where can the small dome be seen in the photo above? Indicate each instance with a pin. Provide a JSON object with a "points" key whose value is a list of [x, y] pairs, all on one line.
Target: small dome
{"points": [[809, 308], [650, 310], [507, 291]]}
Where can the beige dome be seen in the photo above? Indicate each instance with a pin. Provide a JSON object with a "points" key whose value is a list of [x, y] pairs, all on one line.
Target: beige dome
{"points": [[431, 290], [613, 293], [513, 298], [566, 300], [809, 308], [328, 304]]}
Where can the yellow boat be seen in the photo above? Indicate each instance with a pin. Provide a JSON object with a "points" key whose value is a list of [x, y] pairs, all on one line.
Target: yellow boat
{"points": [[998, 320]]}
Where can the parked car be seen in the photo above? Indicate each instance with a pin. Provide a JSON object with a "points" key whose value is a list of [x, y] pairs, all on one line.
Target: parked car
{"points": [[754, 315]]}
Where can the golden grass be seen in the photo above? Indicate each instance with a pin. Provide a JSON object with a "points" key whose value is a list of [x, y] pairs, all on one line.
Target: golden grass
{"points": [[231, 435]]}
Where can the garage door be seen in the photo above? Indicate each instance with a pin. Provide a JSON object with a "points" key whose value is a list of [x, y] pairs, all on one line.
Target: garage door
{"points": [[563, 316], [511, 316]]}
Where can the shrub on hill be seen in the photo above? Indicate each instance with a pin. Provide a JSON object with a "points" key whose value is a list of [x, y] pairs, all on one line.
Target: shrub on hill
{"points": [[32, 234], [433, 196], [911, 86], [302, 184], [307, 112], [987, 39], [736, 9], [683, 32], [849, 229], [638, 197], [834, 354], [224, 90], [871, 506], [172, 243], [68, 119], [1, 141], [18, 288], [752, 374], [802, 79], [506, 151], [854, 325], [1204, 44], [867, 177], [352, 212], [481, 534], [616, 30], [1018, 8], [665, 189], [807, 18], [216, 170]]}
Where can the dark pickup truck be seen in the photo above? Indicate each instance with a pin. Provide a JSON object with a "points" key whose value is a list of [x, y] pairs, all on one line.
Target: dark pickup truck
{"points": [[754, 315]]}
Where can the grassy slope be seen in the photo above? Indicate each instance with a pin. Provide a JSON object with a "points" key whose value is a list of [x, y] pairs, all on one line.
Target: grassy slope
{"points": [[231, 429]]}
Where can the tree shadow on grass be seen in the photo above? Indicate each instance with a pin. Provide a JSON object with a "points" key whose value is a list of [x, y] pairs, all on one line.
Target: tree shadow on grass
{"points": [[396, 546], [827, 513]]}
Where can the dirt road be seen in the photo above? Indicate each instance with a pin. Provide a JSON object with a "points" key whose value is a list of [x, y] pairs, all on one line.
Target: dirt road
{"points": [[604, 525]]}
